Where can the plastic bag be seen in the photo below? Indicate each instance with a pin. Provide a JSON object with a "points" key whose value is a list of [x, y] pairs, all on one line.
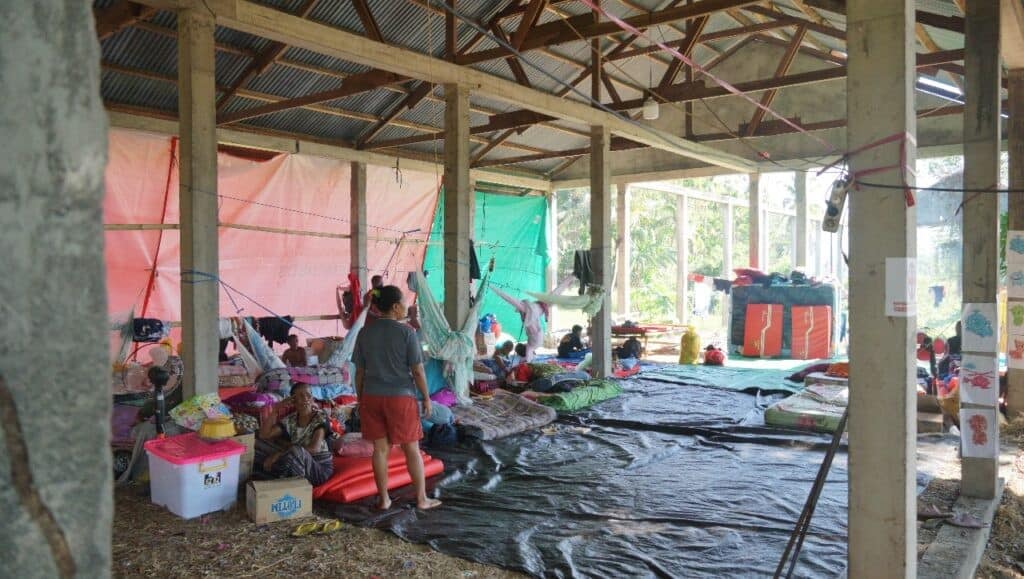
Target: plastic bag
{"points": [[191, 413]]}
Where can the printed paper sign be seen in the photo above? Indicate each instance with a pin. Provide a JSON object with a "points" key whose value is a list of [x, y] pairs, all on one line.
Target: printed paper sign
{"points": [[1015, 247], [979, 432], [1015, 351], [980, 328], [1015, 280], [979, 380], [900, 287]]}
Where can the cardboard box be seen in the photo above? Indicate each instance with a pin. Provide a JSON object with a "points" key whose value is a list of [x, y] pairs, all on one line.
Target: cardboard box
{"points": [[812, 332], [245, 463], [762, 332], [269, 501]]}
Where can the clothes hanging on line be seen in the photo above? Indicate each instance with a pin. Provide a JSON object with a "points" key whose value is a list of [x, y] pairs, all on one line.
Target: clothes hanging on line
{"points": [[583, 269], [275, 330]]}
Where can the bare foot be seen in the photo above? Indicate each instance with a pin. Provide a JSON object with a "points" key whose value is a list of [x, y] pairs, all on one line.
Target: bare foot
{"points": [[383, 505], [427, 504]]}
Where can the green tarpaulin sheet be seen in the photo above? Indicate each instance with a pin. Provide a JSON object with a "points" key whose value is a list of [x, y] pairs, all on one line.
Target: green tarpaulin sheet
{"points": [[728, 377], [583, 397], [514, 231]]}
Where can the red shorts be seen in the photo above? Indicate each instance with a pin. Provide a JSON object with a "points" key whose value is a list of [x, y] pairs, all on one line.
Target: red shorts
{"points": [[396, 418]]}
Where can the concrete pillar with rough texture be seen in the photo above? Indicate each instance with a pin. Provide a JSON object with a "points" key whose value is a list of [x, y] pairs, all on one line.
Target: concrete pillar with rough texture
{"points": [[623, 269], [882, 424], [197, 116], [980, 476], [682, 259], [1015, 146], [458, 204], [756, 220], [55, 482], [357, 225], [601, 246], [802, 220]]}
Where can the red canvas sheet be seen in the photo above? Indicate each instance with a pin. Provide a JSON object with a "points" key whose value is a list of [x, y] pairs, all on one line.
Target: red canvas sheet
{"points": [[289, 274]]}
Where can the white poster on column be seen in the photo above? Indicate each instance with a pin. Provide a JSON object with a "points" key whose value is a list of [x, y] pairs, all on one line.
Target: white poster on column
{"points": [[979, 380], [979, 432], [1015, 247], [900, 287], [980, 328]]}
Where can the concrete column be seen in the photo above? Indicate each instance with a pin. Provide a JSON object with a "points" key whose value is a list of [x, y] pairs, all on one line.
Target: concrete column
{"points": [[200, 294], [1015, 140], [601, 245], [882, 423], [756, 224], [624, 268], [459, 204], [682, 258], [802, 220], [552, 269], [357, 227], [55, 485], [979, 476], [728, 213]]}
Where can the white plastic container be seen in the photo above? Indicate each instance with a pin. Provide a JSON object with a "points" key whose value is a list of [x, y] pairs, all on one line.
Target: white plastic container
{"points": [[192, 477]]}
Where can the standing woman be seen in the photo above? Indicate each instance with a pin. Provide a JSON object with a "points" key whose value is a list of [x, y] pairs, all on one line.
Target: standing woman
{"points": [[389, 371]]}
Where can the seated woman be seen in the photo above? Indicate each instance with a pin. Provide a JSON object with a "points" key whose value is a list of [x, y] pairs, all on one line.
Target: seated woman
{"points": [[572, 344], [295, 445], [502, 363]]}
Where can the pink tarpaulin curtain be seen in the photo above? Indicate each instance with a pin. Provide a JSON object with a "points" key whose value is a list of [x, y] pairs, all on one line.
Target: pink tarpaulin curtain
{"points": [[288, 274]]}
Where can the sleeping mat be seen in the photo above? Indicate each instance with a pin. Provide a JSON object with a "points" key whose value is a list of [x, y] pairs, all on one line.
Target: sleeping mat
{"points": [[585, 396], [503, 414]]}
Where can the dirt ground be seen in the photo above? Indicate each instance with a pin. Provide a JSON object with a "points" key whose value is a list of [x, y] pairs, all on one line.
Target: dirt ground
{"points": [[1005, 554], [149, 541]]}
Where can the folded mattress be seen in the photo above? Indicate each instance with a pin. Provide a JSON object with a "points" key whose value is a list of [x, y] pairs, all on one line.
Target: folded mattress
{"points": [[819, 408], [501, 415]]}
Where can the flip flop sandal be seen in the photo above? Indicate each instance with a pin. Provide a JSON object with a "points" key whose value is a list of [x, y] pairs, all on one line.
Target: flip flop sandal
{"points": [[306, 529], [329, 527], [928, 512], [967, 521]]}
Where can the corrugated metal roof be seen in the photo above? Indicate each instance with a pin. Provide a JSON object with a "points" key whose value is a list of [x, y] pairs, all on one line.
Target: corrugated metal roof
{"points": [[307, 122], [408, 24], [291, 82], [135, 91], [142, 49]]}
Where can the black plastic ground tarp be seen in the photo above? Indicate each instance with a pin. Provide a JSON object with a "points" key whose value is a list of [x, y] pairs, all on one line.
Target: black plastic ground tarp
{"points": [[669, 481]]}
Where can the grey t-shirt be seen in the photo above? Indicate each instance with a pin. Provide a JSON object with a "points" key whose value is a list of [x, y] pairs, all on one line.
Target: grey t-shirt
{"points": [[385, 350]]}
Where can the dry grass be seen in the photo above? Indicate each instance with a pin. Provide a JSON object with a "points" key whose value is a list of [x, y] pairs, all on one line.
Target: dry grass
{"points": [[149, 541], [1005, 554]]}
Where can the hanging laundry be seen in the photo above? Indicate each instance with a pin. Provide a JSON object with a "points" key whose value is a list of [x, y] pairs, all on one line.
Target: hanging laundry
{"points": [[722, 285], [701, 300], [456, 347], [582, 269], [938, 294], [275, 329]]}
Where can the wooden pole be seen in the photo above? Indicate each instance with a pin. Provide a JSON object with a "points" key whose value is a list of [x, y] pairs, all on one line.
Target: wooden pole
{"points": [[357, 225], [883, 426], [458, 204], [600, 240], [200, 294], [980, 475], [1015, 139]]}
